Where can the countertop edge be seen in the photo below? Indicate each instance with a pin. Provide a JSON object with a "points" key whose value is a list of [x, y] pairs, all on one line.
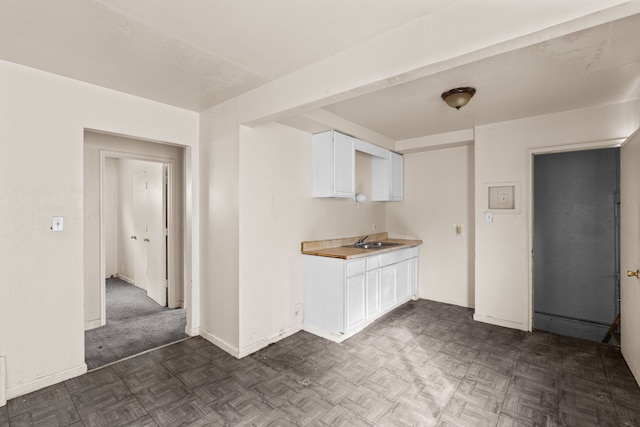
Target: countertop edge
{"points": [[354, 253]]}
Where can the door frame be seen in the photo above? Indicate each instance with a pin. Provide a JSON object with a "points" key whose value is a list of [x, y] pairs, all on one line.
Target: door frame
{"points": [[170, 209], [585, 146]]}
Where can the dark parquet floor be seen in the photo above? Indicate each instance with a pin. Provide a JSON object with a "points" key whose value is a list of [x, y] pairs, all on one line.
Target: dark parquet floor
{"points": [[423, 364]]}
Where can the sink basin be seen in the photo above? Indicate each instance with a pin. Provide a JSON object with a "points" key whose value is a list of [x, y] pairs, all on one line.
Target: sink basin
{"points": [[374, 245]]}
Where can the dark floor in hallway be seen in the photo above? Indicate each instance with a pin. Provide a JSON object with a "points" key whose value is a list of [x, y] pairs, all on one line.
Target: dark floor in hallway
{"points": [[425, 363]]}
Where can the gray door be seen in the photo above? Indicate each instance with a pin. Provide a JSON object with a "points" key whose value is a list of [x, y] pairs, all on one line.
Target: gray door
{"points": [[576, 266]]}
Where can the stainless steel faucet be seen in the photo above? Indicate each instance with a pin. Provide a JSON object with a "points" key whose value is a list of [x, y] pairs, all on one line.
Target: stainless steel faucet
{"points": [[361, 241]]}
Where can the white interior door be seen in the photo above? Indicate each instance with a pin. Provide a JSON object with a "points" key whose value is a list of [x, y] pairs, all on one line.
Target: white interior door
{"points": [[630, 252], [150, 263], [140, 203]]}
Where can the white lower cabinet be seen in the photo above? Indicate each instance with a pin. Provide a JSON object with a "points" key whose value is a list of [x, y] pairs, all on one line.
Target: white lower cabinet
{"points": [[414, 274], [356, 301], [403, 280], [342, 296], [387, 287], [373, 293]]}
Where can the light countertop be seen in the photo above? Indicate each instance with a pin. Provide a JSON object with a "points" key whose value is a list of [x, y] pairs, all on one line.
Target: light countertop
{"points": [[335, 248]]}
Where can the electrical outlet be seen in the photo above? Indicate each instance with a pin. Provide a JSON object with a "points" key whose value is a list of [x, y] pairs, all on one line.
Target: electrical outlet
{"points": [[374, 227]]}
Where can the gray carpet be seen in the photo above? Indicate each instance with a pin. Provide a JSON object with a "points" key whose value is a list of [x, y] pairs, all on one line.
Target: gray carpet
{"points": [[135, 323]]}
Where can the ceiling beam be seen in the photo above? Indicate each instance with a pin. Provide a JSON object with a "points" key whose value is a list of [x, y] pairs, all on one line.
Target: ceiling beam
{"points": [[424, 47]]}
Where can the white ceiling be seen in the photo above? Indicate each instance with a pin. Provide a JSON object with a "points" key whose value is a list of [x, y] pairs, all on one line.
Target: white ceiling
{"points": [[199, 53], [597, 66]]}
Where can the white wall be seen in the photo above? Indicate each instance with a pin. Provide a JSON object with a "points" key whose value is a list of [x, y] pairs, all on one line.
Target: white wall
{"points": [[438, 194], [257, 209], [502, 154], [111, 208], [277, 213], [219, 167], [41, 175]]}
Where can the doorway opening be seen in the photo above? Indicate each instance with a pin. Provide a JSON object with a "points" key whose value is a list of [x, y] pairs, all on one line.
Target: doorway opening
{"points": [[576, 235], [134, 282]]}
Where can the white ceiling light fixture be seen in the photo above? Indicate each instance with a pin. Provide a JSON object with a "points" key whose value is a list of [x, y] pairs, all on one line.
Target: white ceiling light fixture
{"points": [[459, 97]]}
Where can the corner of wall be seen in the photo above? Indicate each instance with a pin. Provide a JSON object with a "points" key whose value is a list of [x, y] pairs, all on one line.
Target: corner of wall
{"points": [[219, 342], [3, 381]]}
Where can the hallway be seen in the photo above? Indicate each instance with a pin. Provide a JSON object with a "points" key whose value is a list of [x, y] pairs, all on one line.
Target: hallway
{"points": [[135, 323]]}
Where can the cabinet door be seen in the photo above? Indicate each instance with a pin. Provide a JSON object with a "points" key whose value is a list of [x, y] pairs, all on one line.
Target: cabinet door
{"points": [[397, 165], [333, 165], [387, 286], [414, 277], [403, 282], [355, 301], [373, 293], [344, 160]]}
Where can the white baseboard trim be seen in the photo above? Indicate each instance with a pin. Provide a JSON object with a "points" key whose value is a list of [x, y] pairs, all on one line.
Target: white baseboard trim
{"points": [[466, 304], [126, 279], [219, 342], [252, 348], [328, 335], [193, 332], [92, 324], [501, 322], [39, 383]]}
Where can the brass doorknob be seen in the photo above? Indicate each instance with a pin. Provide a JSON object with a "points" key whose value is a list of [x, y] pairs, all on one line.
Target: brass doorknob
{"points": [[634, 273]]}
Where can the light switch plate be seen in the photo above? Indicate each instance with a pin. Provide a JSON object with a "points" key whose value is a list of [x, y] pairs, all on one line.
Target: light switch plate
{"points": [[57, 223]]}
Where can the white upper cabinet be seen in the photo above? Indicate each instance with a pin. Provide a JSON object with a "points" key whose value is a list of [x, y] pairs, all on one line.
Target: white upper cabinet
{"points": [[397, 170], [387, 178], [334, 168], [333, 165]]}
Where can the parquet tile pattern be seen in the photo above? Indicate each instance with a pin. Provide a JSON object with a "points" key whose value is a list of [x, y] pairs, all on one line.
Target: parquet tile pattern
{"points": [[424, 364]]}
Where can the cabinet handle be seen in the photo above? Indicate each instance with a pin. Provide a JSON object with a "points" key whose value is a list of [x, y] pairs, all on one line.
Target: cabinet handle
{"points": [[133, 237]]}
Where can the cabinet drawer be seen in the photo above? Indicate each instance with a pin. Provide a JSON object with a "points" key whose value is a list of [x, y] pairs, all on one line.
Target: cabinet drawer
{"points": [[373, 262], [356, 267], [394, 257]]}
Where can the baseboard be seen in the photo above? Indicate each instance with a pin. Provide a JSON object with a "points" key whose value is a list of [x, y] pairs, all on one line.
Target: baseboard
{"points": [[129, 280], [466, 304], [327, 335], [92, 324], [501, 322], [43, 382], [252, 348], [219, 342], [193, 332]]}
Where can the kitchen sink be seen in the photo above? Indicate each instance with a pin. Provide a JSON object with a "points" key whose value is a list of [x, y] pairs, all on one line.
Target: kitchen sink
{"points": [[374, 245]]}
